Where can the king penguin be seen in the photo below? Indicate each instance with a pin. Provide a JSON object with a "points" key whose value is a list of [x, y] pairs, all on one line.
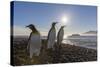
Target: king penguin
{"points": [[60, 35], [51, 36], [58, 45], [34, 41]]}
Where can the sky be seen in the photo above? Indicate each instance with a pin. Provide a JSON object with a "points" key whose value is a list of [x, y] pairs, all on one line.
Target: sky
{"points": [[80, 18]]}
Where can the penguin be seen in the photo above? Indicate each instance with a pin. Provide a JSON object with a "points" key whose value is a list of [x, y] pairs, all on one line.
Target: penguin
{"points": [[58, 45], [60, 35], [34, 41], [51, 36]]}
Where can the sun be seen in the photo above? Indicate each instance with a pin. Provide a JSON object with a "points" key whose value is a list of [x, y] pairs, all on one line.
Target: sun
{"points": [[64, 20]]}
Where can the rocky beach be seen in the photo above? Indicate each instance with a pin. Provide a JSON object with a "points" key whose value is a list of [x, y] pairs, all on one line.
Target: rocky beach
{"points": [[65, 54]]}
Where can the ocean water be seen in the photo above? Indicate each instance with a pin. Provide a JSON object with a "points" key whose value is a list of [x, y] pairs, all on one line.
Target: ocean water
{"points": [[83, 41]]}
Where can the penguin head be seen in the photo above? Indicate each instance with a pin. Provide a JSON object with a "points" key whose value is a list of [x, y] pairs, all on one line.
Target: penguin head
{"points": [[32, 27], [54, 23]]}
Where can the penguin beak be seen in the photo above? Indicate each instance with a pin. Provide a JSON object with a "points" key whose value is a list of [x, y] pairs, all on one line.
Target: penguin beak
{"points": [[56, 23], [27, 26]]}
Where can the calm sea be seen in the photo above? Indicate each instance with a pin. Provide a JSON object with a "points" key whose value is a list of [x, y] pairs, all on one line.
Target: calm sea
{"points": [[83, 41]]}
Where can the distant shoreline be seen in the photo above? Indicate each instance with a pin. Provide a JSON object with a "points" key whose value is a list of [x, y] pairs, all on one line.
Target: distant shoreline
{"points": [[64, 41]]}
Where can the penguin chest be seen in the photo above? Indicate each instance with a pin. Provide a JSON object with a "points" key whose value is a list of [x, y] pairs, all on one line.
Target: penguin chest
{"points": [[61, 34], [52, 36], [51, 39], [34, 44], [35, 41]]}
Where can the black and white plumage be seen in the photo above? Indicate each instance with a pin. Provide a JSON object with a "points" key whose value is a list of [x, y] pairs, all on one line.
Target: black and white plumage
{"points": [[60, 35], [51, 36], [34, 42], [58, 47]]}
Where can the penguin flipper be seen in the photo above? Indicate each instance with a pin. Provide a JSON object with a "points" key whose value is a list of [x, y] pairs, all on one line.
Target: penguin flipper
{"points": [[28, 44]]}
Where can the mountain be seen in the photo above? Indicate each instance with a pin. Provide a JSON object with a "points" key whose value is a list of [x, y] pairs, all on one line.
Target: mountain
{"points": [[74, 36], [90, 32]]}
